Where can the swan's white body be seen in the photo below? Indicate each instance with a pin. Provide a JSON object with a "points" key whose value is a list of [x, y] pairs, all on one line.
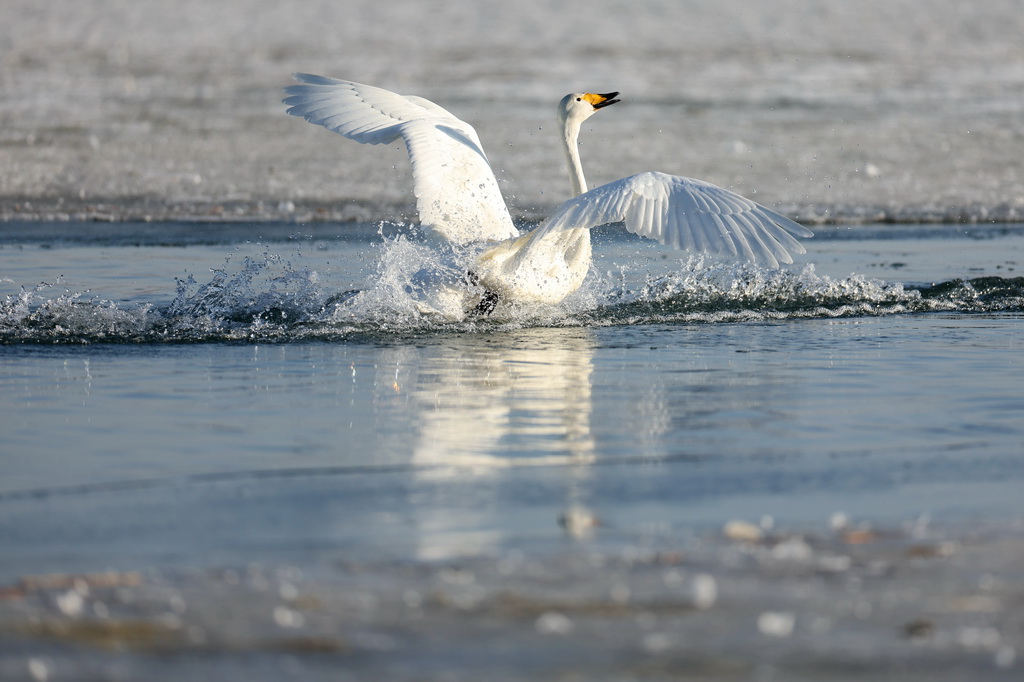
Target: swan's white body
{"points": [[457, 195]]}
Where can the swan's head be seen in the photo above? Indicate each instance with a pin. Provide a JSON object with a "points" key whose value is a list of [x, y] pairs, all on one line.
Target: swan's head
{"points": [[579, 106]]}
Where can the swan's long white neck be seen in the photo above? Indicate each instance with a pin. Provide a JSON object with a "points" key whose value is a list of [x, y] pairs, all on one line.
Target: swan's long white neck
{"points": [[548, 268], [570, 134]]}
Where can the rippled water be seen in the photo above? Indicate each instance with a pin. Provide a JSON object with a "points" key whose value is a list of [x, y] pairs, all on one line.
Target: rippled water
{"points": [[135, 347], [206, 403]]}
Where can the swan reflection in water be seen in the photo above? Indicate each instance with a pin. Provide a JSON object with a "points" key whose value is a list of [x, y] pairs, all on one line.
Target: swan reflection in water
{"points": [[477, 405]]}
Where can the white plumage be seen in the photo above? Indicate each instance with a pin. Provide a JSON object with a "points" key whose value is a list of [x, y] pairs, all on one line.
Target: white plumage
{"points": [[458, 197], [456, 193], [686, 214]]}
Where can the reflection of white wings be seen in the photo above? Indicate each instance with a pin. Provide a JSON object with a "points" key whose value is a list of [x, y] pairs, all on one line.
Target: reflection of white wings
{"points": [[685, 214], [479, 405], [511, 392], [456, 192]]}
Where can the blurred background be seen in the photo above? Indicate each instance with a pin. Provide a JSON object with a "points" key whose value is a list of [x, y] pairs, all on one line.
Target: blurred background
{"points": [[871, 110]]}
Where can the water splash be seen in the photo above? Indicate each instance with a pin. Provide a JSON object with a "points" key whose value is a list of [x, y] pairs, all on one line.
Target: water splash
{"points": [[417, 284], [718, 292], [69, 317], [264, 297], [420, 288]]}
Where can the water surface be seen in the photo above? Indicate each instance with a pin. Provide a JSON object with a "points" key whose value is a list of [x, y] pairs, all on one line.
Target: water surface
{"points": [[167, 360], [271, 469]]}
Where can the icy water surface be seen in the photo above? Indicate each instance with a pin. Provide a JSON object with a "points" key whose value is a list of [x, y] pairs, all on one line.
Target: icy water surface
{"points": [[282, 480]]}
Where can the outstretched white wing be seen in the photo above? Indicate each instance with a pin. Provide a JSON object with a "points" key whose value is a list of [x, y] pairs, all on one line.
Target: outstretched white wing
{"points": [[456, 192], [685, 214]]}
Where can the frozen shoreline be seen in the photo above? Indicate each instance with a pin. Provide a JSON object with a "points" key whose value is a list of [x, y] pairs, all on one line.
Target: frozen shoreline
{"points": [[117, 110]]}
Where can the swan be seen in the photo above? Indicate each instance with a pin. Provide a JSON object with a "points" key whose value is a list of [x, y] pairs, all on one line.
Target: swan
{"points": [[458, 199]]}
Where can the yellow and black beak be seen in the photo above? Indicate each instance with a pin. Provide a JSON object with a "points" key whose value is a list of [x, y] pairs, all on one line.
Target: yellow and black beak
{"points": [[601, 101]]}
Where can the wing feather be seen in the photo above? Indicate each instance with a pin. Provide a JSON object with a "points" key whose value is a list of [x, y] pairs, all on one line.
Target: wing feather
{"points": [[683, 213], [456, 191], [739, 233], [765, 250]]}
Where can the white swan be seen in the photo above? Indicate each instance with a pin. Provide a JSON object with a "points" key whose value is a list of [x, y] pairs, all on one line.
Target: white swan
{"points": [[457, 195]]}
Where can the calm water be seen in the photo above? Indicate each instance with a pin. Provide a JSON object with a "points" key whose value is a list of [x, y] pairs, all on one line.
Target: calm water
{"points": [[168, 376]]}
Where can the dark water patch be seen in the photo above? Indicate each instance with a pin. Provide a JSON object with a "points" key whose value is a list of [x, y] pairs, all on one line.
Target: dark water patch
{"points": [[188, 233], [982, 294], [784, 298]]}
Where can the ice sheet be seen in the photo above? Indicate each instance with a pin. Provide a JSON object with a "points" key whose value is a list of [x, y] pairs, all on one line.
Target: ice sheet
{"points": [[876, 110]]}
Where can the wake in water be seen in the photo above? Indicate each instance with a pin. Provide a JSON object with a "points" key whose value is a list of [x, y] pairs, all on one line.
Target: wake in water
{"points": [[265, 298]]}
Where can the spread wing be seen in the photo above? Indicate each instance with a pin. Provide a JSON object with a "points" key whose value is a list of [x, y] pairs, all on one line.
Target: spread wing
{"points": [[456, 191], [685, 214]]}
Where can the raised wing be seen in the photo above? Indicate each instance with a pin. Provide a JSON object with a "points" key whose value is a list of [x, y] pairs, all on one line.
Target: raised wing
{"points": [[456, 192], [685, 214]]}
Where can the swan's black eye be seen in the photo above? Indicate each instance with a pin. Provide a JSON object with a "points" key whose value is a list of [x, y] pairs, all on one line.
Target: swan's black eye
{"points": [[579, 99]]}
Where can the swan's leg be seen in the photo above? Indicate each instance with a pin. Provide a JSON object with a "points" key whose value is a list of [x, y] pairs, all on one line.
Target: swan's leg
{"points": [[488, 302]]}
